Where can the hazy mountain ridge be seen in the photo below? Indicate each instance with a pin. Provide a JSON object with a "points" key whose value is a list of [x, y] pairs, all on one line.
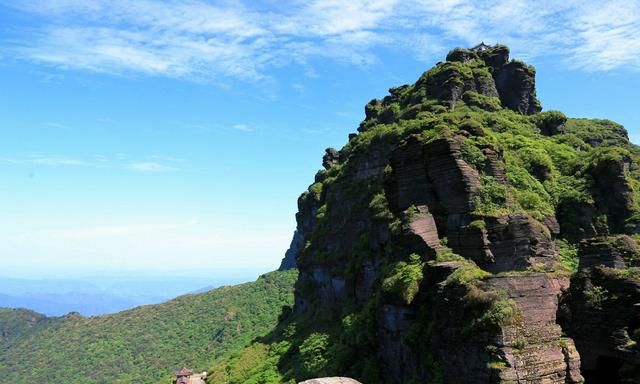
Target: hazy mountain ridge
{"points": [[145, 344], [92, 296]]}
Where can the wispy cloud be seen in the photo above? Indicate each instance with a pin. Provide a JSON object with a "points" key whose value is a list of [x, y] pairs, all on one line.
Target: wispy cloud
{"points": [[153, 163], [46, 160], [58, 126], [242, 127], [58, 161], [243, 40], [150, 166]]}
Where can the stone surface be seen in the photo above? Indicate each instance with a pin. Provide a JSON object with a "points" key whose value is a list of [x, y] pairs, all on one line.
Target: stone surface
{"points": [[289, 259], [331, 158], [602, 314]]}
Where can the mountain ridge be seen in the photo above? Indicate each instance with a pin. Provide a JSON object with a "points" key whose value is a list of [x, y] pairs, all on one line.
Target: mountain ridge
{"points": [[144, 344]]}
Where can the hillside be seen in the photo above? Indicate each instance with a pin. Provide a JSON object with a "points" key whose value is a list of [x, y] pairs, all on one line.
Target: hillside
{"points": [[145, 344], [15, 323], [464, 236]]}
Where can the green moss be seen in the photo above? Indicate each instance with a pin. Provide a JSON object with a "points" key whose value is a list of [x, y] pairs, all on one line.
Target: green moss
{"points": [[489, 310], [404, 280], [491, 200], [598, 132], [379, 207], [478, 224], [472, 154], [568, 253], [486, 103]]}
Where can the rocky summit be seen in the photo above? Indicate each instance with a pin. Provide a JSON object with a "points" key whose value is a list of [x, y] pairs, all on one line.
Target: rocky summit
{"points": [[464, 236]]}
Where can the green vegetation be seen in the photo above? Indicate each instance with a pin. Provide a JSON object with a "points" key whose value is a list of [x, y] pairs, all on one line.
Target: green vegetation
{"points": [[405, 279], [16, 322], [148, 343], [596, 296], [545, 165], [554, 172], [568, 255]]}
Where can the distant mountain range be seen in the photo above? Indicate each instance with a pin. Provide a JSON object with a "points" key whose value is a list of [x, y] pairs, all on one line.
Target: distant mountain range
{"points": [[57, 297]]}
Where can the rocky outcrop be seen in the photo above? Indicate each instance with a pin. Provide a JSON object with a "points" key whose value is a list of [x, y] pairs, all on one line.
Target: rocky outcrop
{"points": [[425, 241], [601, 312], [512, 81], [289, 259], [533, 348], [602, 315], [331, 158], [613, 192]]}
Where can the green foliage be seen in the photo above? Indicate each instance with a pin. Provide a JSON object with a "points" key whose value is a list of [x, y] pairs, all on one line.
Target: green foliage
{"points": [[380, 207], [313, 353], [483, 102], [466, 274], [15, 323], [568, 254], [530, 194], [405, 279], [491, 199], [598, 132], [316, 191], [596, 296], [148, 343], [478, 224], [489, 310], [472, 154]]}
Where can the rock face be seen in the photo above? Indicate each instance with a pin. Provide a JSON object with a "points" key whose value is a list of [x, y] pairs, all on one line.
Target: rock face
{"points": [[430, 242], [513, 82], [289, 259], [602, 310]]}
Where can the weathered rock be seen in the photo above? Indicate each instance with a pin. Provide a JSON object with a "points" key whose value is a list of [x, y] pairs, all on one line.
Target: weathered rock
{"points": [[516, 84], [513, 82], [533, 346], [398, 358], [331, 158], [289, 259], [613, 252], [603, 318], [613, 192]]}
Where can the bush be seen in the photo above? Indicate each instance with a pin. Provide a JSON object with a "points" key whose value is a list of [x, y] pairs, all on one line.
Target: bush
{"points": [[405, 279], [596, 296], [313, 354]]}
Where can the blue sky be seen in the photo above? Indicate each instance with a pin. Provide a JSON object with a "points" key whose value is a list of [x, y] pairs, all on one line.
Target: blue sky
{"points": [[176, 135]]}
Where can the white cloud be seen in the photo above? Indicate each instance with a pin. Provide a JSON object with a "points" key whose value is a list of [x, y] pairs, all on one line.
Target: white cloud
{"points": [[58, 126], [242, 127], [46, 160], [150, 166], [243, 40], [57, 161], [152, 163]]}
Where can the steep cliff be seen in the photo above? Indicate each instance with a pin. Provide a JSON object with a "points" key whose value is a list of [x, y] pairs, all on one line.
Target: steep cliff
{"points": [[442, 242]]}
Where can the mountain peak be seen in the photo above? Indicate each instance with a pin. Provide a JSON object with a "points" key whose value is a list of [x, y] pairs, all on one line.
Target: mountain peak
{"points": [[482, 76]]}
